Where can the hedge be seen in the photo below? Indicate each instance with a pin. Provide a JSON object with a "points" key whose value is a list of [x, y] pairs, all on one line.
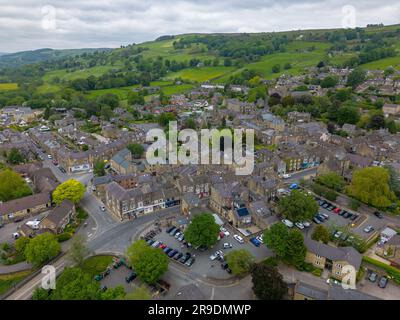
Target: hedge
{"points": [[391, 271]]}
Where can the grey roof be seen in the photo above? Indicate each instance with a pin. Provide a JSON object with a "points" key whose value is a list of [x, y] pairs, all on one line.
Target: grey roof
{"points": [[311, 291], [102, 180], [338, 293], [60, 212], [348, 254]]}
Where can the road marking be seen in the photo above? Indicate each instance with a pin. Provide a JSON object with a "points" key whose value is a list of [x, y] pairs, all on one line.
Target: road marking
{"points": [[212, 293]]}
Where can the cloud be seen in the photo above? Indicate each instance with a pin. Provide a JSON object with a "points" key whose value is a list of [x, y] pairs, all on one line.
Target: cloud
{"points": [[33, 24]]}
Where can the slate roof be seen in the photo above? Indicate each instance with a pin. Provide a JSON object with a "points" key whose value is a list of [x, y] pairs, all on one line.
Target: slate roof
{"points": [[24, 203]]}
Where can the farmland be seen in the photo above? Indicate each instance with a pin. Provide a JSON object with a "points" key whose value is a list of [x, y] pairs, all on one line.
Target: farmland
{"points": [[8, 86]]}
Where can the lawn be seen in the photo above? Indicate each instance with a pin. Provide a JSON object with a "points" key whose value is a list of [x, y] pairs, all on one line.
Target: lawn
{"points": [[7, 281], [201, 74], [97, 264], [8, 86], [383, 64]]}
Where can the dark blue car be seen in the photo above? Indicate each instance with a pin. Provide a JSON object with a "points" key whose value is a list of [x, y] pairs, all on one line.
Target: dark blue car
{"points": [[255, 242]]}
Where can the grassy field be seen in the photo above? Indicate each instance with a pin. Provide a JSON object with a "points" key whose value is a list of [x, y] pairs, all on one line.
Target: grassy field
{"points": [[8, 86], [7, 281], [97, 264], [383, 64], [201, 74]]}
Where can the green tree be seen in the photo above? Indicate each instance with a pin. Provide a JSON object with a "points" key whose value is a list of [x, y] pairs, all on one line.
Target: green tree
{"points": [[74, 284], [276, 237], [117, 293], [295, 249], [99, 168], [371, 186], [106, 112], [165, 118], [139, 293], [15, 157], [12, 186], [149, 263], [239, 261], [71, 189], [136, 149], [347, 114], [276, 68], [267, 282], [332, 180], [298, 206], [42, 248], [202, 231], [329, 82], [356, 77], [135, 98], [40, 294], [20, 245], [320, 233], [78, 251]]}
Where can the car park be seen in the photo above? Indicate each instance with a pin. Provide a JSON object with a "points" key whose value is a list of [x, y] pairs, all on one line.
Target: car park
{"points": [[299, 225], [372, 276], [131, 277], [287, 223], [255, 242], [238, 238], [383, 282]]}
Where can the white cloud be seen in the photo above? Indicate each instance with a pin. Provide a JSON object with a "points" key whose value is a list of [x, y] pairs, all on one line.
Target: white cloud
{"points": [[110, 23]]}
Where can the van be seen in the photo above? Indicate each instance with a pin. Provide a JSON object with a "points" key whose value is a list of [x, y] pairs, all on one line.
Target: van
{"points": [[288, 223]]}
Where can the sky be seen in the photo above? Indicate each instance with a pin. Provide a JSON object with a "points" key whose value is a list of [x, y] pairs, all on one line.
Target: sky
{"points": [[66, 24]]}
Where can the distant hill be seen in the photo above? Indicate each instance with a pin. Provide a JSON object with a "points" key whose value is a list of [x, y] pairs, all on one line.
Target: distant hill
{"points": [[27, 57]]}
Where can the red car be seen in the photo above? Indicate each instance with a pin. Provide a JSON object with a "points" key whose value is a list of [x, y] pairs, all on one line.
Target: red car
{"points": [[337, 210], [163, 246]]}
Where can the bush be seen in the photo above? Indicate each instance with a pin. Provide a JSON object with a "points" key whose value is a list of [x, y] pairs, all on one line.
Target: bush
{"points": [[324, 192], [317, 272], [63, 237], [271, 261]]}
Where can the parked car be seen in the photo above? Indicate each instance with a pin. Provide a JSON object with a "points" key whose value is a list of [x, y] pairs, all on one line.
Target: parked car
{"points": [[181, 237], [49, 156], [255, 242], [172, 253], [131, 277], [306, 224], [177, 235], [321, 217], [383, 282], [169, 229], [331, 207], [224, 265], [173, 231], [287, 223], [103, 208], [260, 238], [238, 238], [321, 202], [178, 256], [316, 220], [338, 234], [342, 212], [156, 244], [368, 229], [326, 216], [16, 235], [372, 276], [167, 250], [190, 262], [150, 242], [354, 217], [162, 246], [227, 245], [326, 205], [378, 214], [337, 210], [213, 256], [185, 258], [98, 277], [299, 225], [346, 215]]}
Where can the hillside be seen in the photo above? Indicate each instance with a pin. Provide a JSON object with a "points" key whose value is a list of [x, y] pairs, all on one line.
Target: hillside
{"points": [[195, 58], [26, 57]]}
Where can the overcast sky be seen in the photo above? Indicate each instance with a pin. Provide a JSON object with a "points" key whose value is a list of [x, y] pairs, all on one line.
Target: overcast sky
{"points": [[59, 24]]}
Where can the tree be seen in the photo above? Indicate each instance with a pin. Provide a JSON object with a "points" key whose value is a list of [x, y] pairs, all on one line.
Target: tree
{"points": [[106, 112], [42, 248], [99, 168], [276, 68], [267, 282], [165, 118], [139, 293], [371, 186], [20, 245], [190, 124], [135, 98], [394, 180], [356, 77], [71, 189], [149, 263], [239, 261], [41, 294], [136, 149], [329, 82], [15, 157], [298, 206], [12, 186], [295, 249], [347, 114], [78, 251], [276, 237], [202, 231], [320, 233], [332, 180], [74, 284]]}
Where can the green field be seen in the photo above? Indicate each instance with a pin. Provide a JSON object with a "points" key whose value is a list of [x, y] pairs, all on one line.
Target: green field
{"points": [[201, 74], [8, 86], [383, 64]]}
